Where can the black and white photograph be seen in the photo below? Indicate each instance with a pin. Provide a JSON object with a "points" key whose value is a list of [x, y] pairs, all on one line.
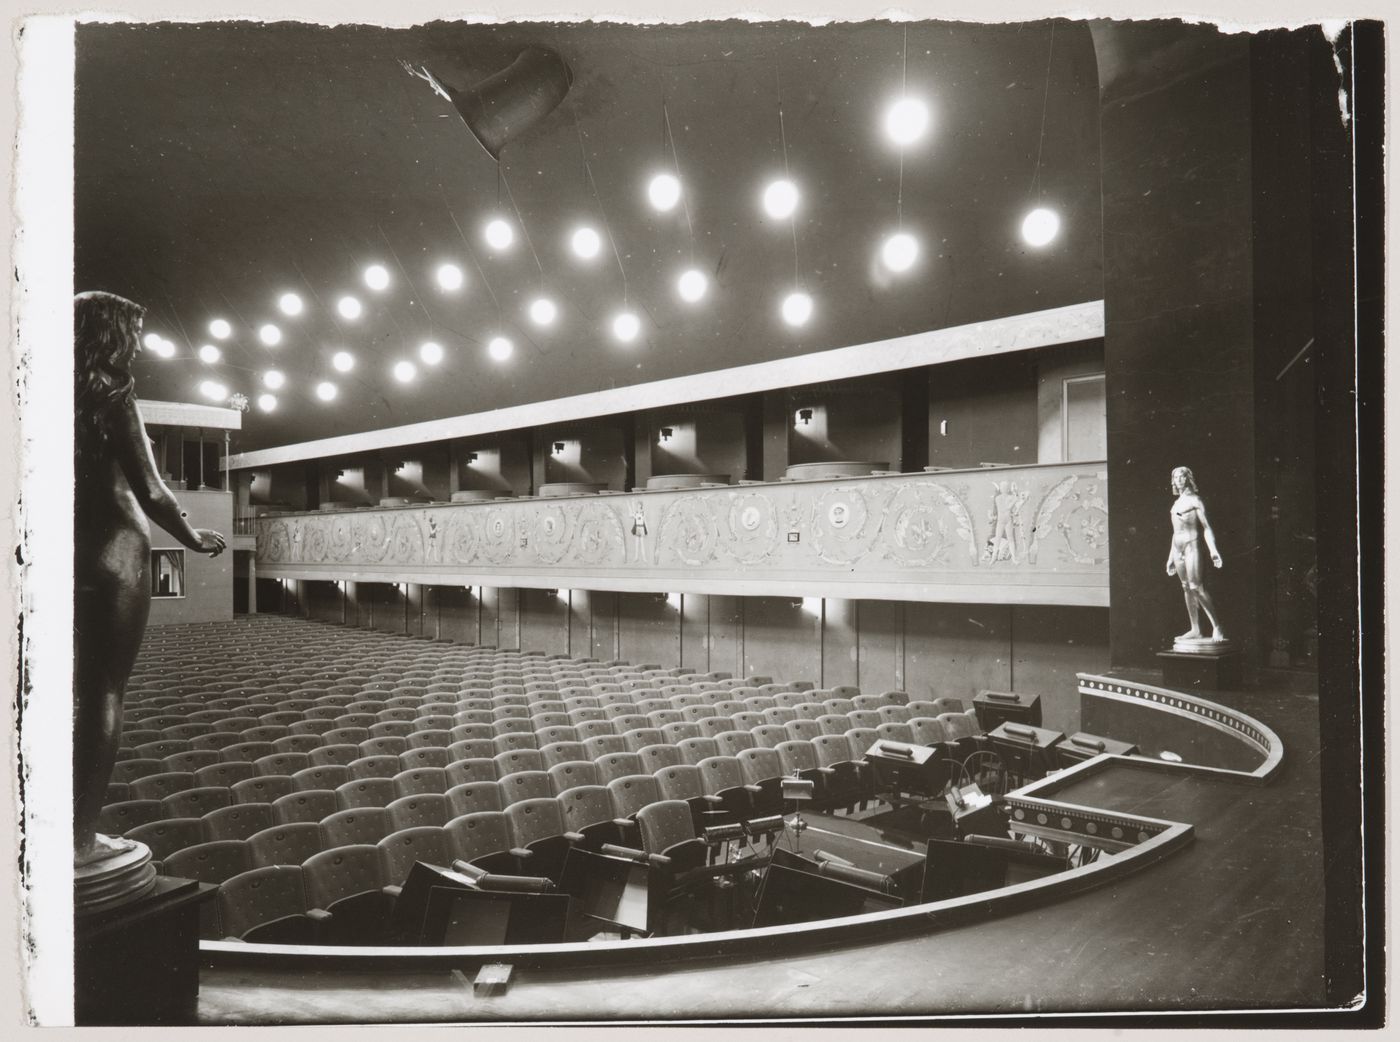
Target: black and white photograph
{"points": [[704, 520]]}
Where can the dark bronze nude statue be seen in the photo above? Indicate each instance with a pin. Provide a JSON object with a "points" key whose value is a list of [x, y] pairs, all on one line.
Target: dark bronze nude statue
{"points": [[116, 488]]}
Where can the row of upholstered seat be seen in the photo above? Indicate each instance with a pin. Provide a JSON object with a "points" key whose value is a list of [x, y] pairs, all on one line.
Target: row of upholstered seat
{"points": [[379, 780]]}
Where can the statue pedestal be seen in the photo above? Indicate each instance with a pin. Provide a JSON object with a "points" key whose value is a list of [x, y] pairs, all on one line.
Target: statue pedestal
{"points": [[1212, 670], [138, 962]]}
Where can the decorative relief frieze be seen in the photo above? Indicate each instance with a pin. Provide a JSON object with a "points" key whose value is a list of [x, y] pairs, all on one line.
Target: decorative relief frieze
{"points": [[1029, 525]]}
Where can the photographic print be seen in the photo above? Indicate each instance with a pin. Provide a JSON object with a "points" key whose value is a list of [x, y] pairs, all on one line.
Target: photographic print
{"points": [[578, 521]]}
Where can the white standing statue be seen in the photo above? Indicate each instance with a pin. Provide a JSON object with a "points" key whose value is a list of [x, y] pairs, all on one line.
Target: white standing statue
{"points": [[1189, 526]]}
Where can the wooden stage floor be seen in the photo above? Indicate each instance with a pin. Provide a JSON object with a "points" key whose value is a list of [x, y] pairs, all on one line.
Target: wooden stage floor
{"points": [[1234, 920]]}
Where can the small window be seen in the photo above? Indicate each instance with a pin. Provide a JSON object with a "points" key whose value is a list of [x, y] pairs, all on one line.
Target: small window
{"points": [[167, 573]]}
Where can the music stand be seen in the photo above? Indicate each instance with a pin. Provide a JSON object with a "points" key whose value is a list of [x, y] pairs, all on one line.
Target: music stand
{"points": [[997, 707], [492, 917], [613, 891]]}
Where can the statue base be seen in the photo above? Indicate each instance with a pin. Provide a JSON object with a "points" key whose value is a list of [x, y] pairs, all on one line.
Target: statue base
{"points": [[1212, 665], [111, 881], [137, 961]]}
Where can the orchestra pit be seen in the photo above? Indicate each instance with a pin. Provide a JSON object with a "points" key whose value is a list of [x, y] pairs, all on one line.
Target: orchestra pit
{"points": [[693, 505]]}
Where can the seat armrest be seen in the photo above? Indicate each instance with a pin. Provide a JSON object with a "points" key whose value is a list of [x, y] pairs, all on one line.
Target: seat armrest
{"points": [[826, 770], [711, 798], [319, 915], [623, 823], [574, 838], [660, 860], [393, 889], [753, 788], [521, 853]]}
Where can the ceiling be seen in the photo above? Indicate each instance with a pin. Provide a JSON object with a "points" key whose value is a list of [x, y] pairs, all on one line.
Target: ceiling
{"points": [[221, 164]]}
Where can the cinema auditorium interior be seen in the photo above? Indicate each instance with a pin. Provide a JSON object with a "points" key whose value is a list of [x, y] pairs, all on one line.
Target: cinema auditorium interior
{"points": [[712, 511]]}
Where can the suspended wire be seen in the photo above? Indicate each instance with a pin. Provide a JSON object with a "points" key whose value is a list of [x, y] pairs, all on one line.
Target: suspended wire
{"points": [[607, 226], [475, 262], [417, 297], [787, 172], [903, 90], [524, 230], [1038, 189]]}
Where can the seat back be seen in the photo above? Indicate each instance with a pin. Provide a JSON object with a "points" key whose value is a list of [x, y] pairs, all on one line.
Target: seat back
{"points": [[633, 792], [760, 764], [342, 871], [861, 739], [514, 760], [382, 765], [585, 805], [470, 770], [166, 837], [640, 737], [426, 756], [833, 723], [261, 788], [400, 849], [117, 818], [718, 773], [356, 825], [237, 821], [474, 797], [321, 776], [210, 862], [664, 825], [896, 732], [655, 757], [365, 792], [525, 785], [331, 753], [617, 765], [260, 897], [831, 749], [534, 820], [681, 782], [714, 726], [304, 805], [928, 730], [286, 844], [515, 741], [416, 809], [476, 835], [573, 773], [194, 803], [802, 730], [159, 786], [417, 780], [770, 736], [563, 752], [957, 726]]}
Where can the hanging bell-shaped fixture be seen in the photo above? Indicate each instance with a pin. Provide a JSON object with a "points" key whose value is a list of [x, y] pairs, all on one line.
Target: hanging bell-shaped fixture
{"points": [[506, 104]]}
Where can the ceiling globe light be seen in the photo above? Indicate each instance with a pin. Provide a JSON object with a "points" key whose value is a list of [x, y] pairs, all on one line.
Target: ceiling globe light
{"points": [[543, 311], [213, 390], [430, 352], [1040, 226], [780, 199], [797, 308], [152, 341], [500, 348], [290, 304], [220, 329], [906, 120], [348, 307], [664, 191], [404, 372], [325, 390], [377, 277], [900, 251], [209, 354], [499, 234], [267, 402], [273, 380], [692, 285], [626, 326], [270, 335], [585, 242], [344, 361], [449, 277]]}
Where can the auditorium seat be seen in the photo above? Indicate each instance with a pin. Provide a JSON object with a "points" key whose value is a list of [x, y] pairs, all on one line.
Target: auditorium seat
{"points": [[471, 749], [390, 745], [537, 836], [617, 765], [515, 741], [770, 736], [216, 740], [800, 758], [430, 738], [655, 757], [667, 829], [474, 797], [928, 731], [332, 753], [562, 752], [471, 770], [483, 839], [382, 765], [282, 763], [190, 760], [297, 744], [513, 760], [923, 708], [311, 727], [525, 785], [604, 745], [840, 706], [347, 882], [591, 729], [681, 731], [159, 786], [696, 714], [129, 770], [713, 726], [267, 905], [420, 780], [631, 793], [723, 777], [629, 721], [400, 849], [365, 792], [289, 844], [346, 736], [571, 773], [748, 720], [166, 836], [588, 816], [684, 782], [418, 809], [251, 751], [355, 825], [235, 821], [763, 768], [802, 730], [304, 805], [161, 748], [844, 784], [639, 737], [961, 728], [949, 705], [321, 777], [896, 732], [513, 725], [210, 862], [693, 750]]}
